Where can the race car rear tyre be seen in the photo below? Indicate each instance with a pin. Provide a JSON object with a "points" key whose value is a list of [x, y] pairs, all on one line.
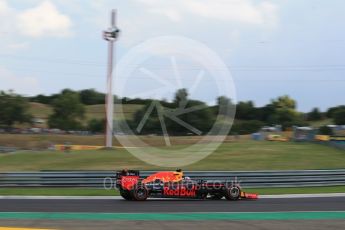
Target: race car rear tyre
{"points": [[233, 193], [140, 193], [126, 195]]}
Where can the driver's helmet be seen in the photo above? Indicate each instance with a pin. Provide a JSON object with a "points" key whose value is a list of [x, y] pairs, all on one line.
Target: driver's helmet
{"points": [[187, 178]]}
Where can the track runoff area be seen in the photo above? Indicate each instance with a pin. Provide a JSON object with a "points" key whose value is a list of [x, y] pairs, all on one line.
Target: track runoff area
{"points": [[269, 212]]}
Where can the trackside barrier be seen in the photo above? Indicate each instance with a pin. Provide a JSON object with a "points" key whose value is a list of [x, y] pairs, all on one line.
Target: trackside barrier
{"points": [[97, 179]]}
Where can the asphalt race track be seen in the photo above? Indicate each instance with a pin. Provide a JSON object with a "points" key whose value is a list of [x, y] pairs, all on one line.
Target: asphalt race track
{"points": [[165, 206], [309, 213]]}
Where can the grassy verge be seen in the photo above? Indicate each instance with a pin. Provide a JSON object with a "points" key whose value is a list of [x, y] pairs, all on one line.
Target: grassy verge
{"points": [[102, 192], [236, 155], [304, 190], [58, 192]]}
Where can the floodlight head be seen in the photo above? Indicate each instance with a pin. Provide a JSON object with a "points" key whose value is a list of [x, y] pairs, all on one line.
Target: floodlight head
{"points": [[111, 34]]}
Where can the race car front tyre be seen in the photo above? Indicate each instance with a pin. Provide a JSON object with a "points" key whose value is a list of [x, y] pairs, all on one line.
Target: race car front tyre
{"points": [[126, 195], [233, 193], [140, 193]]}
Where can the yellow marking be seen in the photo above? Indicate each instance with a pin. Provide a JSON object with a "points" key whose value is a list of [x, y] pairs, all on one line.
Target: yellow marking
{"points": [[87, 147], [10, 228]]}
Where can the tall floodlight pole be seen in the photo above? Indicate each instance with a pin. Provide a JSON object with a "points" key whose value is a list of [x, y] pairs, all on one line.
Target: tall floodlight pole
{"points": [[111, 36]]}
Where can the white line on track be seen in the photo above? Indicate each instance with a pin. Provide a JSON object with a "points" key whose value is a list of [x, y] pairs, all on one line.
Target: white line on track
{"points": [[120, 198], [303, 195]]}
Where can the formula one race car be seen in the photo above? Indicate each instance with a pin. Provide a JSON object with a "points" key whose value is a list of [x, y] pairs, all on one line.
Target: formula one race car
{"points": [[175, 185]]}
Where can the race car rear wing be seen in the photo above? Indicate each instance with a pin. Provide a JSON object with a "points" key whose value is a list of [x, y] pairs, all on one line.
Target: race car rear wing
{"points": [[127, 173], [126, 179]]}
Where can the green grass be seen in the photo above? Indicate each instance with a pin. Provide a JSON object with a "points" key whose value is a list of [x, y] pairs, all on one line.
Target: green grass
{"points": [[263, 155], [40, 110], [43, 141], [57, 192], [98, 112], [297, 190], [103, 192], [239, 155]]}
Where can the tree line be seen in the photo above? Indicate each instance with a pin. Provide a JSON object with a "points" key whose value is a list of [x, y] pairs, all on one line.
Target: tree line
{"points": [[69, 112]]}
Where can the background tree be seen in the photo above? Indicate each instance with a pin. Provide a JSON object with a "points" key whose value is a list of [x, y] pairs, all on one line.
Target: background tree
{"points": [[223, 101], [314, 115], [174, 115], [264, 113], [152, 123], [339, 116], [325, 130], [13, 108], [225, 106], [284, 112], [245, 110], [181, 97], [96, 125], [201, 118], [246, 127], [284, 102], [91, 97], [68, 111], [330, 112], [43, 99]]}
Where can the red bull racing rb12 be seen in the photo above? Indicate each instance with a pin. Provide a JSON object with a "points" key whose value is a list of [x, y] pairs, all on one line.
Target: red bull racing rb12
{"points": [[173, 184]]}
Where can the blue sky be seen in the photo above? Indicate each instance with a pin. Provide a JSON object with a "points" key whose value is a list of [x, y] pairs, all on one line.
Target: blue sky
{"points": [[271, 47]]}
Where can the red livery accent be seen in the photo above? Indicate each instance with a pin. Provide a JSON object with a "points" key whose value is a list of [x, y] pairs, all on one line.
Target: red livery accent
{"points": [[182, 192], [250, 196], [127, 182]]}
